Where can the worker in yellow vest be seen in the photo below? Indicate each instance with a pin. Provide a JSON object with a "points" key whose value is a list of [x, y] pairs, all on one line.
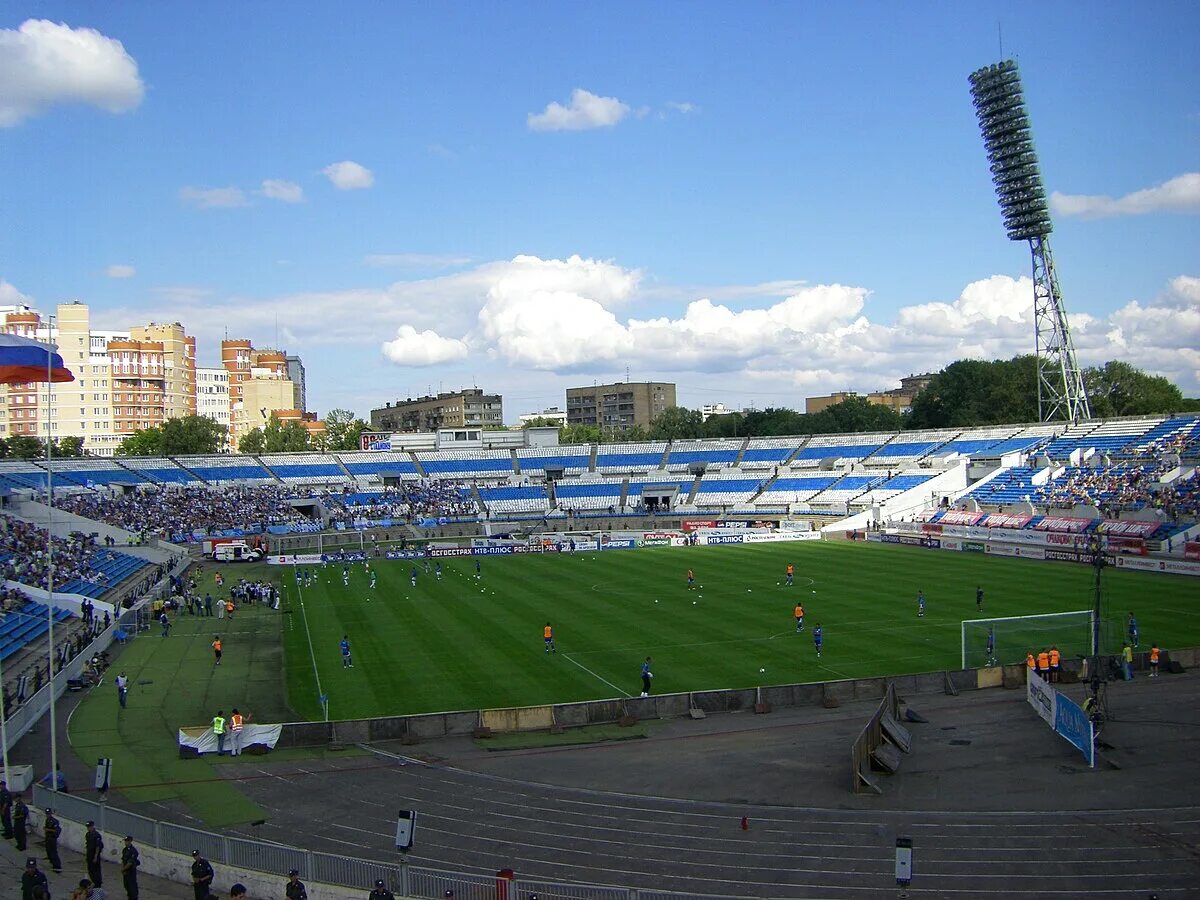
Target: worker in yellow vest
{"points": [[1154, 660], [1055, 660], [236, 723], [218, 727], [1043, 665], [1030, 664]]}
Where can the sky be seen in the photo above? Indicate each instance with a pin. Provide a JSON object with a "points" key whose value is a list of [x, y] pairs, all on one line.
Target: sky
{"points": [[758, 201]]}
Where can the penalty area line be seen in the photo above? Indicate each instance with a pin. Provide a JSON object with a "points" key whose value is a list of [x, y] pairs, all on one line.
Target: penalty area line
{"points": [[594, 675]]}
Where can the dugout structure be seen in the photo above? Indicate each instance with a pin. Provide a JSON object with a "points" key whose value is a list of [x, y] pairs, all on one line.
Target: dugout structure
{"points": [[1016, 636]]}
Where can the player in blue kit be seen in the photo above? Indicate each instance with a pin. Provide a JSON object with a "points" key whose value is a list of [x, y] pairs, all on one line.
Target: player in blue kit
{"points": [[347, 661], [818, 637], [412, 576]]}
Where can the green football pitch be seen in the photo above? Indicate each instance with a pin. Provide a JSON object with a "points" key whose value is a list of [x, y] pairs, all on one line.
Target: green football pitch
{"points": [[470, 642]]}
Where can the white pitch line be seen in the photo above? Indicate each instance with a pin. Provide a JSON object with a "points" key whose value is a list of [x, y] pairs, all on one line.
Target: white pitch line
{"points": [[594, 675]]}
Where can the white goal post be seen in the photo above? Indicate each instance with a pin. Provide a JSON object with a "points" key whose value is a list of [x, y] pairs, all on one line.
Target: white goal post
{"points": [[1015, 636]]}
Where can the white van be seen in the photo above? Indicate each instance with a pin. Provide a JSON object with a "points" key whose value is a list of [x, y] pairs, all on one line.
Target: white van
{"points": [[236, 551]]}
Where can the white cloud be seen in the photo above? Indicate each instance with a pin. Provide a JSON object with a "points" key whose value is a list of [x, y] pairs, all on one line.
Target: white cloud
{"points": [[285, 191], [1180, 195], [349, 176], [684, 107], [423, 348], [586, 110], [117, 270], [415, 260], [214, 198], [43, 64], [10, 296]]}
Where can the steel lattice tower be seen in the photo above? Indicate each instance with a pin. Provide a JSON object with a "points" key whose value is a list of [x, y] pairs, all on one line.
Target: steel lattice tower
{"points": [[1004, 122]]}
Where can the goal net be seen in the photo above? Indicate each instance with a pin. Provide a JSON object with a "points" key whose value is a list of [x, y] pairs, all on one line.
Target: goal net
{"points": [[1015, 636]]}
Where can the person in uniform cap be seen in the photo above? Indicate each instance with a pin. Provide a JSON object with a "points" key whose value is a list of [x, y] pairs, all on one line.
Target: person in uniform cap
{"points": [[202, 875], [130, 860], [295, 889], [33, 878], [381, 892], [52, 829], [93, 847], [20, 822], [6, 801]]}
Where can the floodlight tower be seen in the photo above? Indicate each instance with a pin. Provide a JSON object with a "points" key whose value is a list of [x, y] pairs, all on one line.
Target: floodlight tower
{"points": [[1004, 122]]}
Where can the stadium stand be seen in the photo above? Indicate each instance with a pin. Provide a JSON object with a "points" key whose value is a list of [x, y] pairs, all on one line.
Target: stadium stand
{"points": [[978, 440], [726, 491], [22, 474], [572, 459], [766, 453], [81, 566], [466, 463], [1176, 434], [580, 495], [159, 470], [305, 468], [226, 469], [366, 465], [843, 448], [90, 472], [1013, 486], [796, 489], [908, 447], [847, 488], [713, 453], [630, 457], [895, 485], [1103, 437], [500, 500], [25, 623]]}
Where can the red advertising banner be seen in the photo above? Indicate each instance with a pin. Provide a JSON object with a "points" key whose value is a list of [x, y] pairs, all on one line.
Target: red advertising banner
{"points": [[696, 524], [960, 517], [1191, 550], [1130, 528], [1063, 523], [1005, 520]]}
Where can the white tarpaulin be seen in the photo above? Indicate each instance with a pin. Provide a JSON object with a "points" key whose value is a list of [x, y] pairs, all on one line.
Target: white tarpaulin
{"points": [[202, 740]]}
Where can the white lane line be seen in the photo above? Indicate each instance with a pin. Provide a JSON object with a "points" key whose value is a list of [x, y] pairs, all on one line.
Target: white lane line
{"points": [[594, 675]]}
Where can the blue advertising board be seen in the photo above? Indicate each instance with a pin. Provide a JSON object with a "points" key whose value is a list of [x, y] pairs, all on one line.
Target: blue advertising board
{"points": [[1073, 724]]}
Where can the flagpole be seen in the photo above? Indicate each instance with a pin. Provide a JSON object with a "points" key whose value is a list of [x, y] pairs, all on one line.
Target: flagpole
{"points": [[50, 560]]}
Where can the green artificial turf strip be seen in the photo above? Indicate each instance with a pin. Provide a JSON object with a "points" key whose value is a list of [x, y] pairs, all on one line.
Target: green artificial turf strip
{"points": [[591, 734], [465, 643], [184, 689]]}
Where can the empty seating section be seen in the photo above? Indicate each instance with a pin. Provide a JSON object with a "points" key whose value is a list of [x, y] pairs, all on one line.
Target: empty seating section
{"points": [[726, 491], [843, 447], [109, 569], [92, 472], [766, 453], [20, 627], [571, 459], [160, 470], [976, 441], [713, 453], [305, 468], [629, 457], [466, 463], [847, 488], [898, 484], [23, 475], [515, 499], [1013, 486], [220, 469], [588, 495], [368, 464], [796, 489]]}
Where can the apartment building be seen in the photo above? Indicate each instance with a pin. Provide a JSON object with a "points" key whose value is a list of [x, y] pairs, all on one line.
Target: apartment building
{"points": [[618, 407], [453, 409]]}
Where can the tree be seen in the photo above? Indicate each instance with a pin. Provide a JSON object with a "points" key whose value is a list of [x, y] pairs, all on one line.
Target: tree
{"points": [[1119, 389], [854, 414], [774, 421], [727, 425], [251, 442], [978, 392], [192, 435], [68, 446], [540, 422], [144, 442], [278, 437], [22, 446], [579, 434], [343, 430], [675, 423]]}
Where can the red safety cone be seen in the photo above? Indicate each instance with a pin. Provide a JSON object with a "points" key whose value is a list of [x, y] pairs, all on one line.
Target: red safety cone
{"points": [[745, 824]]}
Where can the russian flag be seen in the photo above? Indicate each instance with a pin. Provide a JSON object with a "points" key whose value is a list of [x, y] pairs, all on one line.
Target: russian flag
{"points": [[24, 360]]}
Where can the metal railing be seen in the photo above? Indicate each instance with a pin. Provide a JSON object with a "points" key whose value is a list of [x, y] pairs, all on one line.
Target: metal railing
{"points": [[268, 858]]}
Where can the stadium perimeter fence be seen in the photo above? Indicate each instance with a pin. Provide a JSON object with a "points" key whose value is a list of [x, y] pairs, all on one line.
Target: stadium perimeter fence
{"points": [[276, 860]]}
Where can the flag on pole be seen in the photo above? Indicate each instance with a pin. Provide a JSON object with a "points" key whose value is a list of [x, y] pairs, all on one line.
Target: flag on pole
{"points": [[23, 360]]}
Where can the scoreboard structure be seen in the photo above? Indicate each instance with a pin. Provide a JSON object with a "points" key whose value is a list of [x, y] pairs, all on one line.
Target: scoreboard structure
{"points": [[375, 440]]}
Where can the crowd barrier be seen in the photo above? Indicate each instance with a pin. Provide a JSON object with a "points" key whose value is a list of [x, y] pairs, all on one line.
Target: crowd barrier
{"points": [[879, 744]]}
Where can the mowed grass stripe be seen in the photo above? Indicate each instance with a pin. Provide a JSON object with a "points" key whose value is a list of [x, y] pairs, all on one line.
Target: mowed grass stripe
{"points": [[455, 644]]}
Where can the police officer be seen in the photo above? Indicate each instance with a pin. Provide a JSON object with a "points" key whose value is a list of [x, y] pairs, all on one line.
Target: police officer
{"points": [[33, 878], [52, 830], [381, 892], [6, 800], [202, 875], [93, 849], [130, 860], [295, 889], [20, 822], [237, 892]]}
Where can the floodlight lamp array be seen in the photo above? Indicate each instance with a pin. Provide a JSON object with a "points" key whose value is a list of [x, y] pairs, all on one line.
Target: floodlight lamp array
{"points": [[1004, 121]]}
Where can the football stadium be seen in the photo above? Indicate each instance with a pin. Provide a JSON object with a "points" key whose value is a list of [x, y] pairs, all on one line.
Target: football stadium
{"points": [[387, 613]]}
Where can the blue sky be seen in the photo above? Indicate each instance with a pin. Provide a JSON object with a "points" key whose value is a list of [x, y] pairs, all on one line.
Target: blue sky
{"points": [[758, 201]]}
